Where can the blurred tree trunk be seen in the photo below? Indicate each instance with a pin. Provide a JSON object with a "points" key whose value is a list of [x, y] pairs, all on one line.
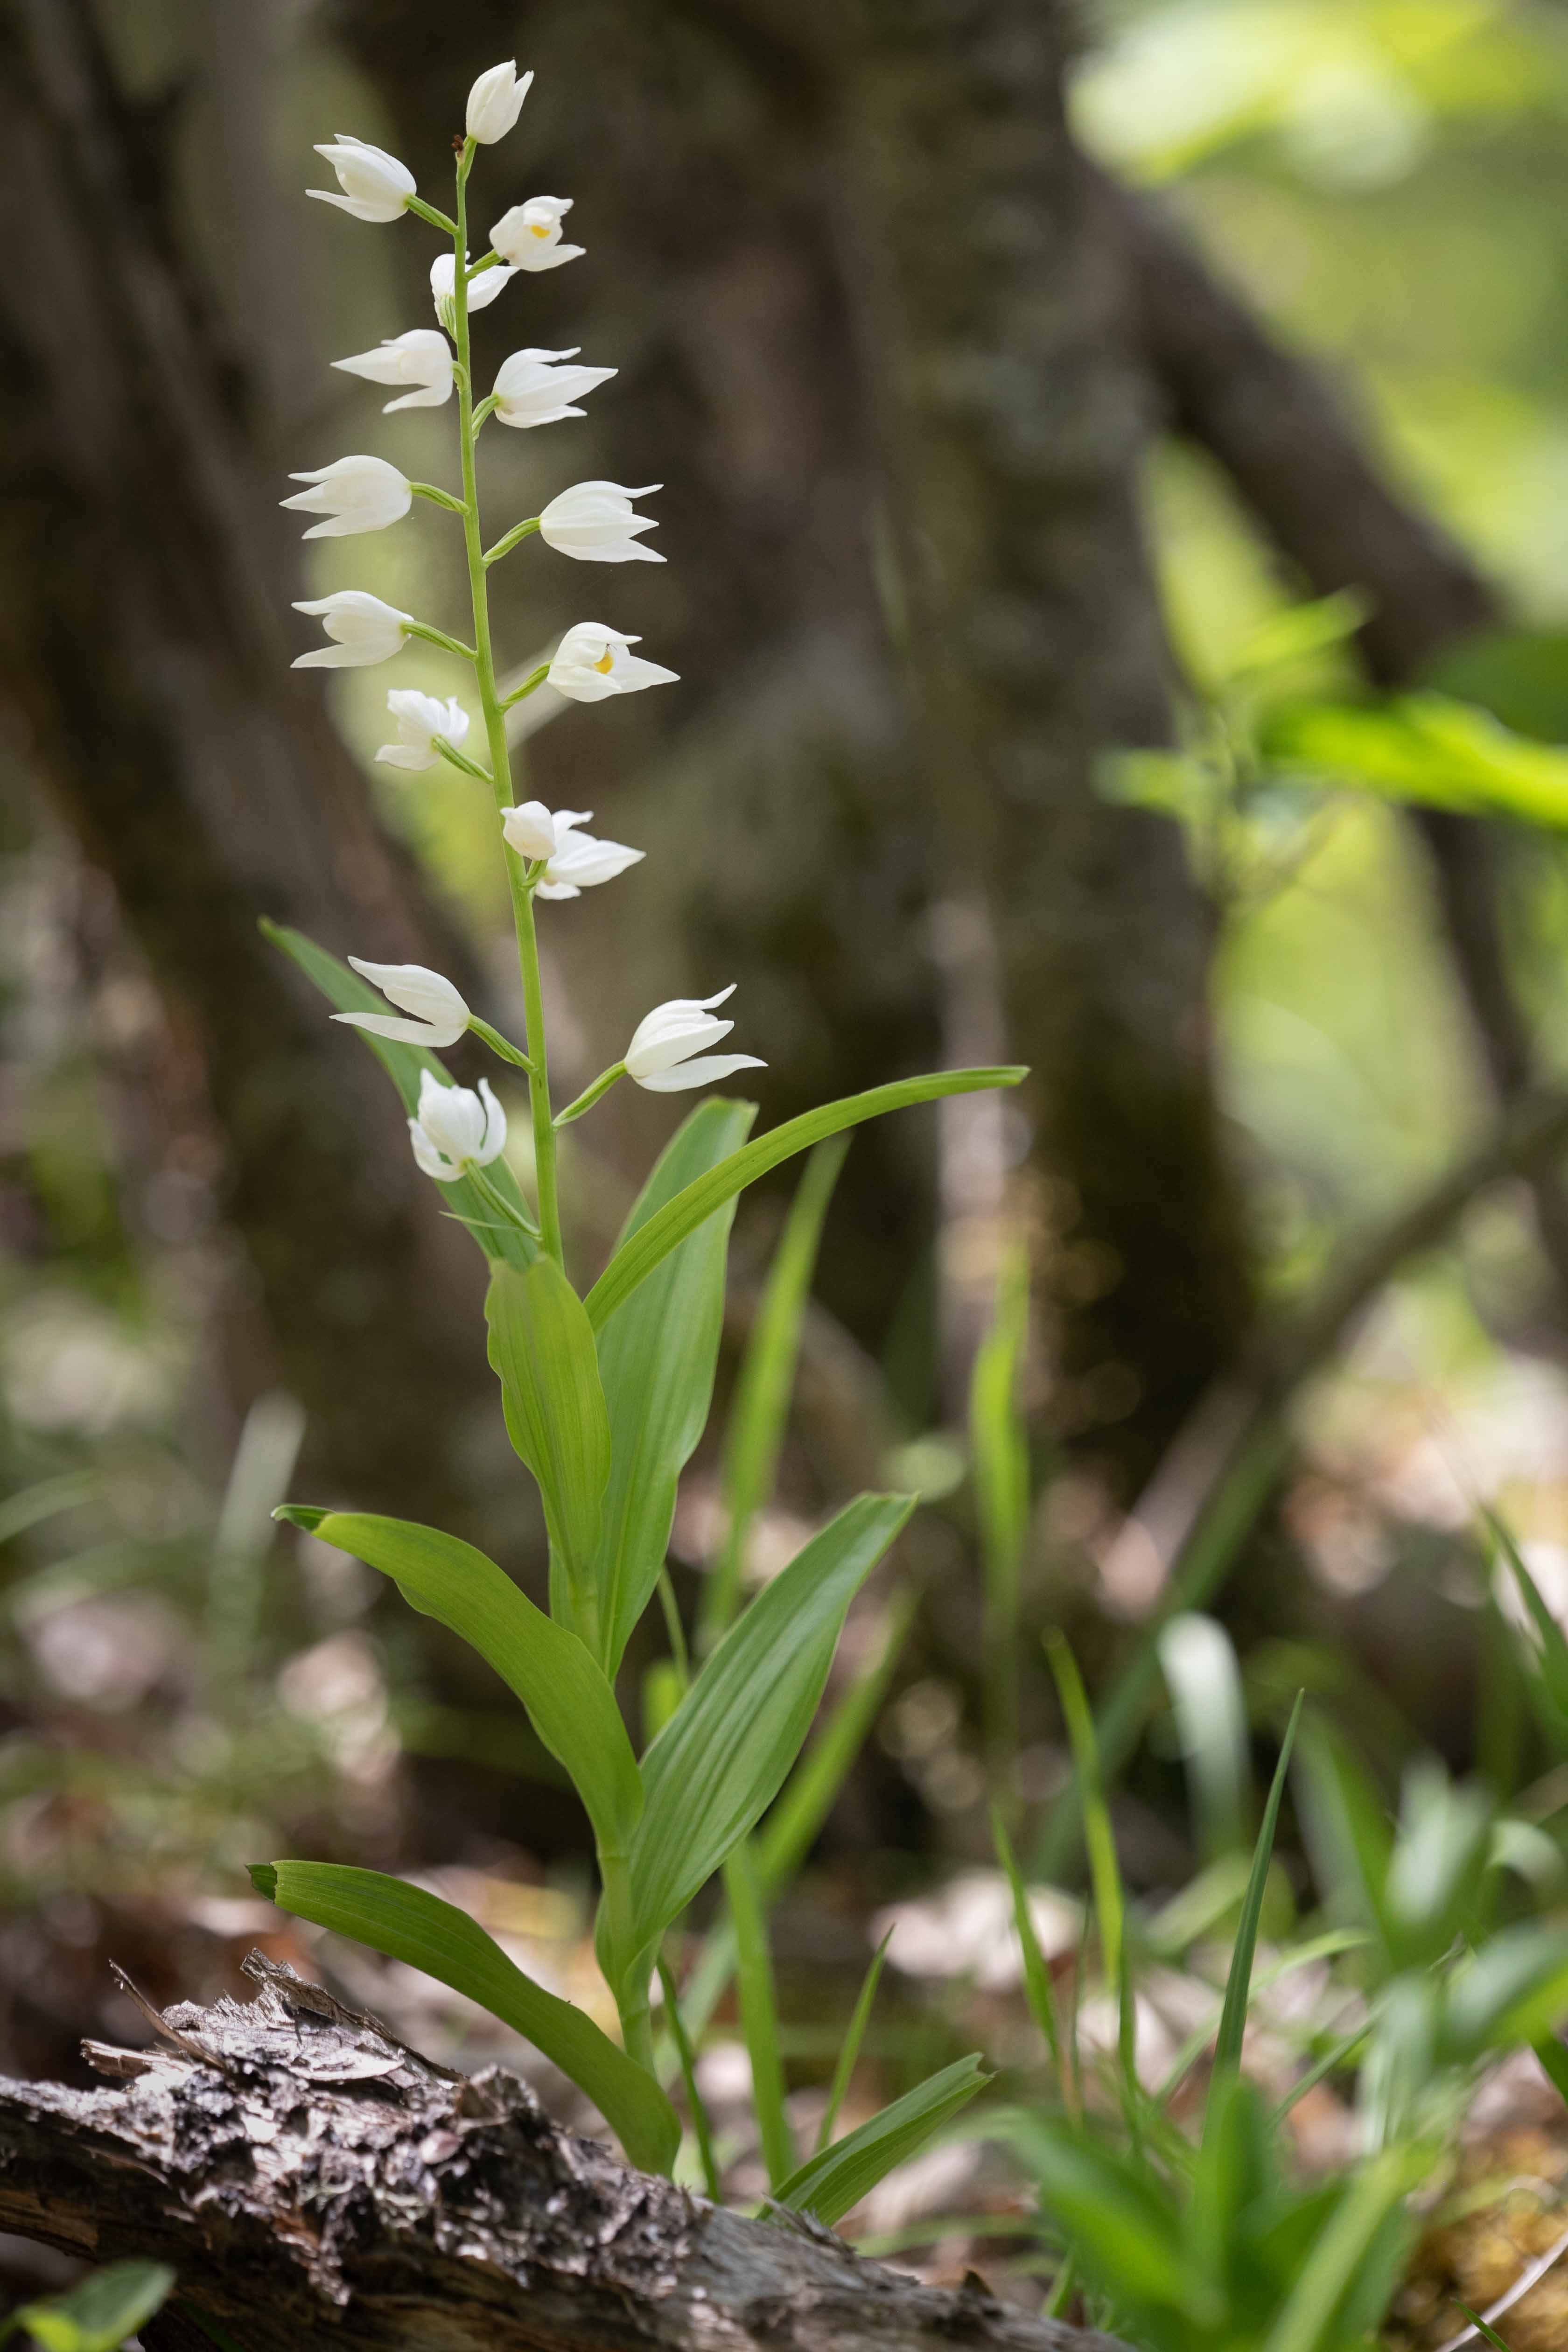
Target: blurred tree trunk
{"points": [[143, 669], [874, 327]]}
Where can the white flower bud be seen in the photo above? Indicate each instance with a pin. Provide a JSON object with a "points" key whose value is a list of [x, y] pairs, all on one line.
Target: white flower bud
{"points": [[482, 289], [421, 357], [440, 1014], [532, 388], [663, 1042], [595, 522], [456, 1130], [592, 662], [355, 494], [578, 861], [364, 630], [375, 185], [420, 718], [528, 236], [494, 103]]}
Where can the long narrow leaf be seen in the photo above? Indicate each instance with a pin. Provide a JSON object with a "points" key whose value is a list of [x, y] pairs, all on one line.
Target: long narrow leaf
{"points": [[831, 2183], [682, 1215], [721, 1759], [408, 1924], [657, 1358], [1000, 1451], [759, 2013], [406, 1066], [1340, 2249], [1105, 1871], [754, 1433], [702, 2130], [1239, 1982], [1038, 1987], [543, 1355], [849, 2049], [559, 1681]]}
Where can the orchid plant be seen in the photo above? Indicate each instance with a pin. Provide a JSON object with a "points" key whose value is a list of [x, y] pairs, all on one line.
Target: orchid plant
{"points": [[605, 1394]]}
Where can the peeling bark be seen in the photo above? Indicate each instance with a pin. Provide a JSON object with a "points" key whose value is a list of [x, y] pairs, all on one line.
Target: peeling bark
{"points": [[314, 2180]]}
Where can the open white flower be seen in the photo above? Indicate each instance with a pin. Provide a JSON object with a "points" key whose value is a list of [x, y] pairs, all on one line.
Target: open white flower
{"points": [[532, 387], [441, 1015], [592, 662], [422, 357], [659, 1056], [494, 103], [355, 494], [595, 522], [482, 289], [420, 718], [375, 185], [578, 861], [456, 1130], [528, 236], [364, 630]]}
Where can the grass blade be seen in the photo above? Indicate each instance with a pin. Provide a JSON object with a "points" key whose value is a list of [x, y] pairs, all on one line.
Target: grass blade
{"points": [[850, 2052], [759, 2014], [1105, 1871], [1000, 1451], [1037, 1986], [635, 1262], [841, 2175], [696, 2104], [1226, 2067], [1483, 2328], [754, 1433]]}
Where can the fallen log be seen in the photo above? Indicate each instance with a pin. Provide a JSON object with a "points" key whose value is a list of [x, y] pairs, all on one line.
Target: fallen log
{"points": [[315, 2181]]}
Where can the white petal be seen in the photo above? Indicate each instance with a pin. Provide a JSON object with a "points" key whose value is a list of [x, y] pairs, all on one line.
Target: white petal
{"points": [[705, 1072], [407, 1032]]}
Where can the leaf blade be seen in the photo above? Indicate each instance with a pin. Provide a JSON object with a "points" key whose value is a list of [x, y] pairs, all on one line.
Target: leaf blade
{"points": [[664, 1232], [829, 2184], [409, 1924], [541, 1350]]}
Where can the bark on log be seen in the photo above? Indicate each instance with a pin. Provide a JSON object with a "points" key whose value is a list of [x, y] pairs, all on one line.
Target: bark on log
{"points": [[1279, 428], [314, 2180]]}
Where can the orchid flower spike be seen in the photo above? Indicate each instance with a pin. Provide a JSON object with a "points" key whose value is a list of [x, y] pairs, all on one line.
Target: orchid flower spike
{"points": [[494, 103], [482, 289], [595, 522], [375, 185], [456, 1130], [364, 628], [658, 1057], [532, 388], [528, 236], [576, 861], [422, 357], [355, 494], [420, 718], [441, 1015], [592, 662]]}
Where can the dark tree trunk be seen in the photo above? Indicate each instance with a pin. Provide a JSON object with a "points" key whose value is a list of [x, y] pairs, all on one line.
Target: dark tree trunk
{"points": [[143, 662]]}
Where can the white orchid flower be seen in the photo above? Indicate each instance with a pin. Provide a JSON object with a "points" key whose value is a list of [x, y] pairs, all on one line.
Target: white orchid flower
{"points": [[375, 185], [663, 1042], [532, 387], [528, 236], [441, 1015], [420, 718], [422, 357], [494, 103], [595, 522], [355, 494], [576, 861], [456, 1130], [364, 630], [482, 289], [592, 661]]}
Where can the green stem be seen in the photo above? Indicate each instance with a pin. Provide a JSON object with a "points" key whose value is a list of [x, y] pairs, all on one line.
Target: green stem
{"points": [[631, 2000], [514, 538], [496, 1042], [500, 761], [591, 1095], [437, 497], [439, 637], [456, 759], [712, 2181], [759, 2013], [428, 213], [536, 677], [498, 1199]]}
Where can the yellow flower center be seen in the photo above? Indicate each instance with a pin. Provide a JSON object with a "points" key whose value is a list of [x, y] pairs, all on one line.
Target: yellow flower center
{"points": [[538, 229], [606, 662]]}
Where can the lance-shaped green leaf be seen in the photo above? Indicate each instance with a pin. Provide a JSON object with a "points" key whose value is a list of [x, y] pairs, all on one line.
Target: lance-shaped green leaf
{"points": [[406, 1066], [657, 1358], [542, 1352], [722, 1756], [637, 1259], [562, 1684], [836, 2179], [408, 1924]]}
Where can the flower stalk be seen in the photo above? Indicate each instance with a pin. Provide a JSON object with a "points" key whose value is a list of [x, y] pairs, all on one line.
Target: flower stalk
{"points": [[495, 731]]}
